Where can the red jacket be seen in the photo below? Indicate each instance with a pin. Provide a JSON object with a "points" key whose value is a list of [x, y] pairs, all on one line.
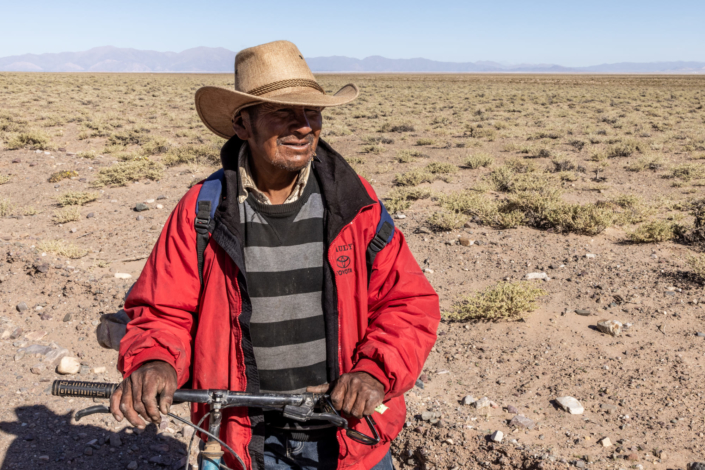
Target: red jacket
{"points": [[386, 329]]}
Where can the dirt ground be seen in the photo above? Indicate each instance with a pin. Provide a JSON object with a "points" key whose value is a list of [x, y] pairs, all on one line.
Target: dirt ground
{"points": [[642, 390]]}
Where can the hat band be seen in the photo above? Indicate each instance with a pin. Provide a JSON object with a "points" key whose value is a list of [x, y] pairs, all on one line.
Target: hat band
{"points": [[292, 82]]}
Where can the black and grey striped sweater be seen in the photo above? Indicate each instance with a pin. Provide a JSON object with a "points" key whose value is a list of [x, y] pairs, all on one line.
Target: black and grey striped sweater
{"points": [[284, 260]]}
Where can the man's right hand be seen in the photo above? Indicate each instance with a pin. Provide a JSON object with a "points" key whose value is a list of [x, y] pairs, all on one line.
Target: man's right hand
{"points": [[137, 395]]}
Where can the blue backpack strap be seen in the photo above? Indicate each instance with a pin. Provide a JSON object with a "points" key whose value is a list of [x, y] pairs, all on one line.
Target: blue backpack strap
{"points": [[208, 200], [383, 235]]}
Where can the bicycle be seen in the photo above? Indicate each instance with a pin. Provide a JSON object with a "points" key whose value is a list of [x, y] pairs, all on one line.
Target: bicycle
{"points": [[299, 407]]}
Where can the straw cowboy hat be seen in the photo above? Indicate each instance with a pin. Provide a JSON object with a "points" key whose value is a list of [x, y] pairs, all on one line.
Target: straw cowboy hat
{"points": [[271, 73]]}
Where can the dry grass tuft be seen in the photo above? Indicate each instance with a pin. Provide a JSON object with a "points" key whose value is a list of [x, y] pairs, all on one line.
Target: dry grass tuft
{"points": [[61, 248], [446, 221], [67, 214], [505, 301], [408, 156], [688, 171], [399, 199], [62, 175], [438, 168], [697, 265], [33, 140], [652, 163], [5, 179], [77, 198], [203, 154], [123, 173], [479, 160], [6, 207], [413, 178], [653, 232]]}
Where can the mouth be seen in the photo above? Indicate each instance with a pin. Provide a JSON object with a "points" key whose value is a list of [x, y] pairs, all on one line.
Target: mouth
{"points": [[299, 146]]}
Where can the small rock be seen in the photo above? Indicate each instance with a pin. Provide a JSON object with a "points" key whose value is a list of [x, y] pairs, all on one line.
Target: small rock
{"points": [[512, 409], [37, 369], [160, 198], [428, 415], [54, 356], [68, 366], [141, 207], [449, 441], [580, 464], [608, 408], [468, 400], [161, 448], [466, 241], [632, 457], [140, 217], [84, 370], [21, 307], [46, 316], [520, 421], [159, 206], [68, 317], [700, 335], [536, 276], [16, 160], [44, 457], [497, 436], [428, 270], [606, 442], [482, 403], [35, 335], [584, 313], [115, 440], [590, 256], [571, 405], [423, 378], [419, 383], [90, 215], [132, 465], [399, 216], [610, 327], [88, 451], [149, 201], [187, 432], [123, 276], [99, 370]]}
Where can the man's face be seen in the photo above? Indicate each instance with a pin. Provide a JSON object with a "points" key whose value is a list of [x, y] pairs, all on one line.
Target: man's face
{"points": [[285, 136]]}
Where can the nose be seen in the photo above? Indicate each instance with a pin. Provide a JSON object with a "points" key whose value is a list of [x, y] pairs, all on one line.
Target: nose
{"points": [[302, 124]]}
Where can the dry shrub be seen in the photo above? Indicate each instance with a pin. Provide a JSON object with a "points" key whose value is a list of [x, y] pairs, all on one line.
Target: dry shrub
{"points": [[438, 168], [67, 214], [504, 301], [5, 179], [33, 140], [375, 149], [89, 154], [634, 209], [625, 149], [61, 248], [205, 153], [652, 163], [77, 198], [62, 175], [446, 221], [397, 127], [697, 265], [156, 146], [413, 178], [688, 171], [399, 199], [122, 173], [408, 156], [423, 142], [6, 207], [559, 165], [134, 136], [478, 161], [30, 211], [653, 232]]}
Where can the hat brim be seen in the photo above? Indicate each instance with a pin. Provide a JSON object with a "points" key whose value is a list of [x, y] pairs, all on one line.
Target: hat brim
{"points": [[216, 106]]}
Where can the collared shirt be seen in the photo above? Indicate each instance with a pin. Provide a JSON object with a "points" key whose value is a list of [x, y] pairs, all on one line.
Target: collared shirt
{"points": [[247, 184]]}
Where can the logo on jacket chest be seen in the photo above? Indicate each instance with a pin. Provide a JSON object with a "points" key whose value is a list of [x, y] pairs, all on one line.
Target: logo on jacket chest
{"points": [[343, 261]]}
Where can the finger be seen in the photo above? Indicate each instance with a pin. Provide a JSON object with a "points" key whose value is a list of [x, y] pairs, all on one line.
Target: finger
{"points": [[350, 397], [149, 400], [137, 401], [323, 388], [337, 396], [359, 405], [115, 403], [166, 398], [127, 408], [372, 403]]}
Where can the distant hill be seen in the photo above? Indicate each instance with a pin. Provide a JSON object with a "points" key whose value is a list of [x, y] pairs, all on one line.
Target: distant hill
{"points": [[218, 59]]}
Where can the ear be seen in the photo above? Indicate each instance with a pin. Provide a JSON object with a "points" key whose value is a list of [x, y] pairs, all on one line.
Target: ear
{"points": [[243, 125]]}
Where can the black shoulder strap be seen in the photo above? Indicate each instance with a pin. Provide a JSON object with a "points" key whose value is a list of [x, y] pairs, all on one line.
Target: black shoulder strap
{"points": [[208, 199], [384, 235]]}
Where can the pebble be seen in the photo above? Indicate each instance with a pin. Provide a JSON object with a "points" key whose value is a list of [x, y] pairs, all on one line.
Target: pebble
{"points": [[584, 313], [610, 327], [88, 451], [428, 270], [468, 400], [141, 207], [159, 206], [466, 241], [21, 307], [400, 216], [536, 276], [700, 335], [590, 256], [497, 436], [571, 405], [123, 276], [512, 409], [580, 463], [606, 442], [140, 217], [482, 403], [68, 317], [99, 370], [159, 198], [632, 457], [115, 440], [132, 465], [68, 366], [419, 383], [149, 201], [37, 369], [35, 335], [608, 408], [90, 215], [520, 421]]}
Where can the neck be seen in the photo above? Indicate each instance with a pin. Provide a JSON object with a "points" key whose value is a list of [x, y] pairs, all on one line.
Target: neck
{"points": [[275, 183]]}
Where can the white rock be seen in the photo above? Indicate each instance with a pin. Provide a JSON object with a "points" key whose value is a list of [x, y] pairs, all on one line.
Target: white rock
{"points": [[123, 276], [400, 216], [571, 405], [428, 270], [69, 366], [590, 255], [468, 400], [482, 403], [606, 442], [149, 201], [497, 436], [99, 370], [159, 206], [610, 327], [537, 276]]}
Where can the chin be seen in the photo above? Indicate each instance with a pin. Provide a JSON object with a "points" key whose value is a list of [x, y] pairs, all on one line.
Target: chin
{"points": [[293, 163]]}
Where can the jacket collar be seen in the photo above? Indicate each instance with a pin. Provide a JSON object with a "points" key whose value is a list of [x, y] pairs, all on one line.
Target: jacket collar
{"points": [[343, 192]]}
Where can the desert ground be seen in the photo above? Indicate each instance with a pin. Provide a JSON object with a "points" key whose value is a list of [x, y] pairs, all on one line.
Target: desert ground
{"points": [[537, 206]]}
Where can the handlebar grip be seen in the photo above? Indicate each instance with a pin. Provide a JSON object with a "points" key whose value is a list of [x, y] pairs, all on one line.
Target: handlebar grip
{"points": [[75, 388]]}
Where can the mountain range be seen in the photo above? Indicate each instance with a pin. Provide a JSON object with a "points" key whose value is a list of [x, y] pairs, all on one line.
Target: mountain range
{"points": [[218, 59]]}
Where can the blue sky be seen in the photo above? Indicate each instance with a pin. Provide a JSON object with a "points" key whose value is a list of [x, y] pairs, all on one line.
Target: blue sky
{"points": [[568, 32]]}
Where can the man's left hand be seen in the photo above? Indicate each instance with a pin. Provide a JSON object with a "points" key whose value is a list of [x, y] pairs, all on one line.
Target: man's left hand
{"points": [[356, 393]]}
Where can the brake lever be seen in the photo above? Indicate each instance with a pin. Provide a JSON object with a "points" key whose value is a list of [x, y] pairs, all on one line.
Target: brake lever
{"points": [[91, 411]]}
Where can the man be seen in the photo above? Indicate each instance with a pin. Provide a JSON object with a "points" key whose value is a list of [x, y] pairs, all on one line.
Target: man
{"points": [[286, 303]]}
